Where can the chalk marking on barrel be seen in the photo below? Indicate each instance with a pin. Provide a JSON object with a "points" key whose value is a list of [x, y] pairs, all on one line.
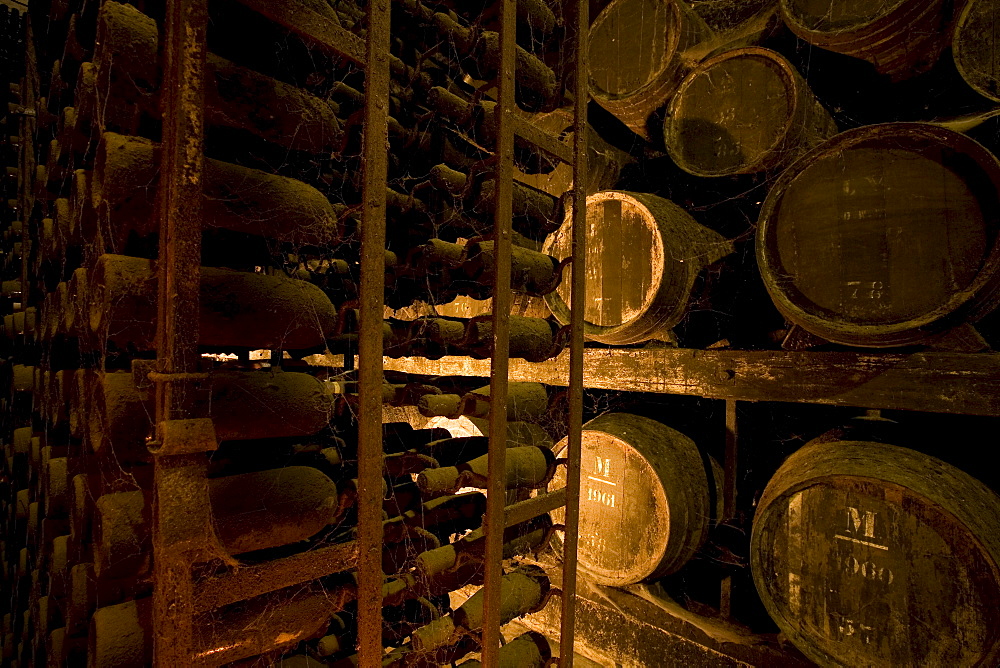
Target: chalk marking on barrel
{"points": [[590, 477], [862, 542]]}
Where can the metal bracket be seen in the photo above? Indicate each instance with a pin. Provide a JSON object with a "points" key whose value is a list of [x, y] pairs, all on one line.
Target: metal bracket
{"points": [[184, 437]]}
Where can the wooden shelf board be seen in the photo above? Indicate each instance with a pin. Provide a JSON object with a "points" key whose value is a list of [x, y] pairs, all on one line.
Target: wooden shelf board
{"points": [[936, 382]]}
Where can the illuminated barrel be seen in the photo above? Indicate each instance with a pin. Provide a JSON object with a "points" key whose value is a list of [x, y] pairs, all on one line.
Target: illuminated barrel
{"points": [[644, 499], [644, 254], [868, 554]]}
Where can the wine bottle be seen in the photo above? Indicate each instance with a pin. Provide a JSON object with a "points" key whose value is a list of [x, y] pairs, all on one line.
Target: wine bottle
{"points": [[236, 198], [122, 635], [235, 97], [442, 516], [525, 401], [521, 591], [237, 309], [288, 505], [537, 87], [529, 650], [526, 467], [243, 405], [536, 213], [460, 562]]}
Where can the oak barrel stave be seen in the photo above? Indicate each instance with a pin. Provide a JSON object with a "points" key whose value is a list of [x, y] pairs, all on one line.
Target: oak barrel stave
{"points": [[901, 38]]}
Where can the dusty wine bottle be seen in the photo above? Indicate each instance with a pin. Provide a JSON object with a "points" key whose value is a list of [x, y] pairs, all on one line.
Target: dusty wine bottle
{"points": [[122, 635], [433, 565], [530, 650], [237, 308], [235, 198], [535, 211], [235, 97], [526, 467], [525, 401], [288, 505], [521, 591], [245, 405], [442, 516]]}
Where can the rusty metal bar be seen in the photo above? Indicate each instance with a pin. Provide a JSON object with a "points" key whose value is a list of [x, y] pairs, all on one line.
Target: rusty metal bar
{"points": [[496, 492], [179, 209], [732, 453], [373, 222], [543, 140], [250, 581], [581, 83], [522, 511], [729, 484]]}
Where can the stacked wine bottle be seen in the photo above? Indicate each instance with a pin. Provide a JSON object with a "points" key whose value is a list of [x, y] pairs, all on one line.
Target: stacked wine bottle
{"points": [[278, 328]]}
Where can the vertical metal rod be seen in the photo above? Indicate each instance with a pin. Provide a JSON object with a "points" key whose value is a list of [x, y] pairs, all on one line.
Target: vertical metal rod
{"points": [[179, 209], [581, 81], [730, 468], [728, 492], [373, 222], [496, 497]]}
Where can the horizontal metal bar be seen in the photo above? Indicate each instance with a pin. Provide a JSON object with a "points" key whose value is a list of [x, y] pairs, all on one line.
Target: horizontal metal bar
{"points": [[542, 139], [249, 581], [522, 511], [312, 26]]}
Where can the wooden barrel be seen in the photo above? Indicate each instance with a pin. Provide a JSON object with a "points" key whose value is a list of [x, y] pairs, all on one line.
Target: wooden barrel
{"points": [[868, 554], [974, 46], [884, 235], [644, 499], [639, 52], [901, 38], [744, 111], [643, 256]]}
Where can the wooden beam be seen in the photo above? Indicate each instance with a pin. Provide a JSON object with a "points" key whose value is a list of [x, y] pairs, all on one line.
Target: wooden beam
{"points": [[617, 627], [935, 382]]}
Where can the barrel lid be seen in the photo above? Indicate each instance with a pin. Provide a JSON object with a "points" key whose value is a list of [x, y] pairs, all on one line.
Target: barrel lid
{"points": [[622, 61], [977, 33], [625, 256], [643, 256], [731, 112], [644, 501], [883, 235], [873, 554]]}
